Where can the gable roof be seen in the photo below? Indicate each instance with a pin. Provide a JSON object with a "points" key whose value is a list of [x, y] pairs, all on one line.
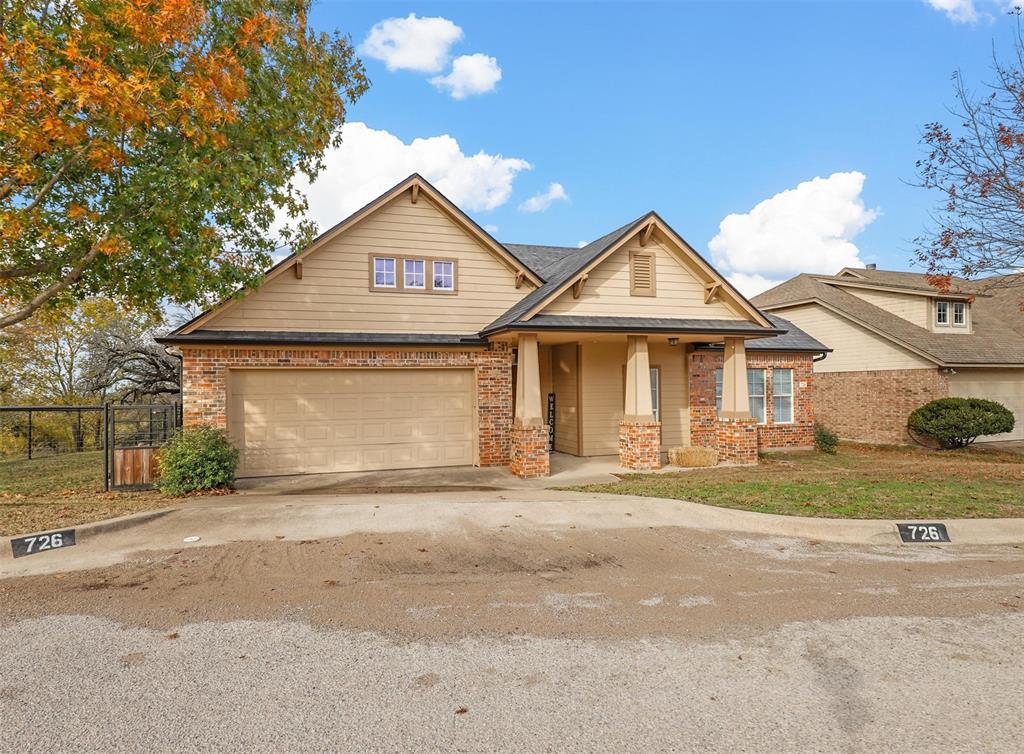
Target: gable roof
{"points": [[997, 333], [420, 186]]}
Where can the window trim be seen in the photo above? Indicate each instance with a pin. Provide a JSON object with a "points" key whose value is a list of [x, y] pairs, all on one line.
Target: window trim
{"points": [[941, 305], [428, 278], [791, 395], [405, 274], [962, 305], [653, 258], [763, 396]]}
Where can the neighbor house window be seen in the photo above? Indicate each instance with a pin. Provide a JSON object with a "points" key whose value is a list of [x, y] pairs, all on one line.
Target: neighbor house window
{"points": [[384, 272], [415, 273], [755, 388], [960, 314], [782, 396], [444, 276], [942, 313]]}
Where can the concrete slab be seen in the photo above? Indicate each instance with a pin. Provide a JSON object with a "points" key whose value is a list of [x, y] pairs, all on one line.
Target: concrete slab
{"points": [[221, 520]]}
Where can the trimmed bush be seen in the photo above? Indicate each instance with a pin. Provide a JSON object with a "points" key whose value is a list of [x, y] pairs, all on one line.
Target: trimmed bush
{"points": [[825, 440], [197, 458], [692, 457], [957, 422]]}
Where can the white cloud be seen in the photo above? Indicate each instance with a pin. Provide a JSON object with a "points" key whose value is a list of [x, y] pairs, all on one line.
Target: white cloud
{"points": [[412, 43], [809, 228], [581, 244], [371, 161], [492, 229], [959, 11], [470, 74], [540, 202]]}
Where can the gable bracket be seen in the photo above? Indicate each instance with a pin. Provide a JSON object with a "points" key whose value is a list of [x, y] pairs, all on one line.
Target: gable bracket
{"points": [[520, 278], [711, 291], [298, 269], [415, 192], [577, 287], [646, 233]]}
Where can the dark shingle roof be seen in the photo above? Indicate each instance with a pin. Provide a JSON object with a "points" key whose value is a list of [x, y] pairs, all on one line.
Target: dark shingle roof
{"points": [[541, 259], [997, 323]]}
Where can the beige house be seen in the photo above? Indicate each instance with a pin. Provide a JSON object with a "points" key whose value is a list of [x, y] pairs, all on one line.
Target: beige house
{"points": [[898, 343], [406, 336]]}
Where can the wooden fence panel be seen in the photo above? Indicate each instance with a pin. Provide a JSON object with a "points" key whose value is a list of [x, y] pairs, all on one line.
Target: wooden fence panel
{"points": [[135, 467]]}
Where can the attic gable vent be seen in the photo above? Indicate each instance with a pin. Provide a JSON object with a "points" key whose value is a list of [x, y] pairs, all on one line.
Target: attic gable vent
{"points": [[641, 273]]}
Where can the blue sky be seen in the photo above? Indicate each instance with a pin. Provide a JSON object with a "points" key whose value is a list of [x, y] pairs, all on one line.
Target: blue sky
{"points": [[696, 110]]}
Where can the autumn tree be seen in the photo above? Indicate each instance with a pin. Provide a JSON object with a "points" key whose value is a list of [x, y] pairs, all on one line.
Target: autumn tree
{"points": [[978, 166], [148, 147]]}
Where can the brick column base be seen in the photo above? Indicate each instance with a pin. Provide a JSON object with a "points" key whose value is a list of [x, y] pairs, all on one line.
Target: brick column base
{"points": [[530, 456], [737, 441], [640, 445]]}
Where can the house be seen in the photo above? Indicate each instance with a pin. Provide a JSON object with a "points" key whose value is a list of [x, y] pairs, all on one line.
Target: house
{"points": [[406, 336], [898, 343]]}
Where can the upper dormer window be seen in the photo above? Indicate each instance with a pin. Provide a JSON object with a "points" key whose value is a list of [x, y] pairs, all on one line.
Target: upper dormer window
{"points": [[415, 274], [942, 313], [444, 276], [402, 274], [959, 314], [384, 272]]}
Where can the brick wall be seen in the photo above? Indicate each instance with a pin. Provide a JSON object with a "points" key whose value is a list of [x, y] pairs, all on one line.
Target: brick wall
{"points": [[872, 406], [529, 451], [205, 380], [737, 441], [704, 429], [640, 445]]}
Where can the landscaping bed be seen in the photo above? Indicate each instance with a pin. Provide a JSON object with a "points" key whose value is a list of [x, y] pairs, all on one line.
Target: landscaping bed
{"points": [[63, 490], [859, 481]]}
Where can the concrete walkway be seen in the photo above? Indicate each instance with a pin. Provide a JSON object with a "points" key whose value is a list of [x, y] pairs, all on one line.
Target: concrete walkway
{"points": [[221, 520]]}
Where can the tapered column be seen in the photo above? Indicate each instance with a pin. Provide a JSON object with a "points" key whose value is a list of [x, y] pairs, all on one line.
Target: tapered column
{"points": [[735, 395], [639, 433], [530, 455]]}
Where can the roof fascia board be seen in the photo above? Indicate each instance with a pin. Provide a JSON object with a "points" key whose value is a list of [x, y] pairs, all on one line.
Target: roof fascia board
{"points": [[893, 288]]}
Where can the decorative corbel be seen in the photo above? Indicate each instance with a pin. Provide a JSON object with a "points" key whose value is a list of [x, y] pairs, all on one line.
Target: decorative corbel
{"points": [[646, 233], [577, 287], [711, 291], [415, 192], [298, 269], [520, 278]]}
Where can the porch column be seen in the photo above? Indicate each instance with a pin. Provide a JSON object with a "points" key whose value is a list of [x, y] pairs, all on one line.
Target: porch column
{"points": [[737, 429], [639, 433], [530, 457]]}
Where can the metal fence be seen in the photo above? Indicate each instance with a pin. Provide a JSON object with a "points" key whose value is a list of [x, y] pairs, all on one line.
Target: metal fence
{"points": [[121, 431]]}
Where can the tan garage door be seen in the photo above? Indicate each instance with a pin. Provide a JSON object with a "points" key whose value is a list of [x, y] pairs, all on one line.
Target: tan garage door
{"points": [[304, 421], [1003, 385]]}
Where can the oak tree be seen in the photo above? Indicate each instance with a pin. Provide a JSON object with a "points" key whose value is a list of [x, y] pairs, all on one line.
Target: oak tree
{"points": [[148, 147]]}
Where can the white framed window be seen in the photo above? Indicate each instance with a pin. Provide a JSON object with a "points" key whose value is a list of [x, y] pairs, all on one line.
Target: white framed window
{"points": [[384, 272], [782, 396], [942, 313], [444, 276], [656, 393], [414, 274], [755, 388], [959, 314]]}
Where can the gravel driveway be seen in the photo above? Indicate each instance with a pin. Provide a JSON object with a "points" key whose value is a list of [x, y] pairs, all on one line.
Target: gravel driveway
{"points": [[618, 640]]}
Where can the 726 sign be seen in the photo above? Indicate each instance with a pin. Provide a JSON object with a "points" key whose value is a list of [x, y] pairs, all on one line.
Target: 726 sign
{"points": [[51, 540], [923, 532]]}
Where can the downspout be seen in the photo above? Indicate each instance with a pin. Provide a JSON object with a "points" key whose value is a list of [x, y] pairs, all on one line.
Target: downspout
{"points": [[820, 357]]}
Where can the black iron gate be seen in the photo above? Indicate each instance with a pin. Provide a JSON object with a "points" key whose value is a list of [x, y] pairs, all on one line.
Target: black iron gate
{"points": [[136, 433]]}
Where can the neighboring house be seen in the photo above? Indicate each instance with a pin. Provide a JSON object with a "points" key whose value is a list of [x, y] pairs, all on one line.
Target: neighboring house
{"points": [[898, 343], [406, 336]]}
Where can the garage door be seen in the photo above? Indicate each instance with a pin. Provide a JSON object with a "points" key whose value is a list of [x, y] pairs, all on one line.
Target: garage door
{"points": [[303, 421], [1003, 385]]}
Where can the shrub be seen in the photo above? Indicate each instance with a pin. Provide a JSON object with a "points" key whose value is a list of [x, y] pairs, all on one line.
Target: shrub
{"points": [[825, 440], [957, 422], [691, 457], [197, 458]]}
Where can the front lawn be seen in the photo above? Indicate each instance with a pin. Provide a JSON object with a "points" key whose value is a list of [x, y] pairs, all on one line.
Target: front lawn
{"points": [[60, 491], [860, 481]]}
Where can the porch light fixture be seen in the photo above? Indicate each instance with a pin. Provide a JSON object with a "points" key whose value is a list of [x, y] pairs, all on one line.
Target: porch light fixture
{"points": [[673, 341]]}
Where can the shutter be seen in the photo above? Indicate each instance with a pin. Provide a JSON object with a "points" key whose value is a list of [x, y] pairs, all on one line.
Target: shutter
{"points": [[641, 273]]}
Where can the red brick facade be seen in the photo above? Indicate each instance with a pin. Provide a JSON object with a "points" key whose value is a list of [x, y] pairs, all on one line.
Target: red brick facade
{"points": [[737, 441], [205, 381], [529, 454], [704, 425], [874, 406], [640, 445]]}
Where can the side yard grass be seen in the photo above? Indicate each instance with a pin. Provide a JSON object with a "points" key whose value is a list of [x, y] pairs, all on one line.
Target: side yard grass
{"points": [[860, 481], [61, 491]]}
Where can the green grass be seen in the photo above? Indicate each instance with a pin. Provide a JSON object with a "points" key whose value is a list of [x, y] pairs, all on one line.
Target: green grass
{"points": [[63, 490], [858, 482]]}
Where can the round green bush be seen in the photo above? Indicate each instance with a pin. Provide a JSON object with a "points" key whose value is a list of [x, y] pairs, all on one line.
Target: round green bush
{"points": [[825, 440], [957, 422], [197, 458]]}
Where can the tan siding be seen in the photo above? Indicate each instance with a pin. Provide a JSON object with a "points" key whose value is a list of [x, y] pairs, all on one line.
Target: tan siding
{"points": [[675, 405], [334, 295], [911, 308], [1005, 386], [603, 397], [606, 293], [564, 381], [855, 348]]}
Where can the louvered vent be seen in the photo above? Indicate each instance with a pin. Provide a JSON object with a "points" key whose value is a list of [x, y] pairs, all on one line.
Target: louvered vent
{"points": [[642, 274]]}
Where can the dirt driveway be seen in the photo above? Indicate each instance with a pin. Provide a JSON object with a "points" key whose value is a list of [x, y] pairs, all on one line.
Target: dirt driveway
{"points": [[641, 639]]}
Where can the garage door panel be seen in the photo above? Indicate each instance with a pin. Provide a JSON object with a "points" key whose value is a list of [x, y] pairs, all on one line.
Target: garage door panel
{"points": [[1003, 386], [290, 421]]}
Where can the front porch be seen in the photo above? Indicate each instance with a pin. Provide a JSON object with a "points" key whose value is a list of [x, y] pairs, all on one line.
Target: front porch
{"points": [[627, 395]]}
